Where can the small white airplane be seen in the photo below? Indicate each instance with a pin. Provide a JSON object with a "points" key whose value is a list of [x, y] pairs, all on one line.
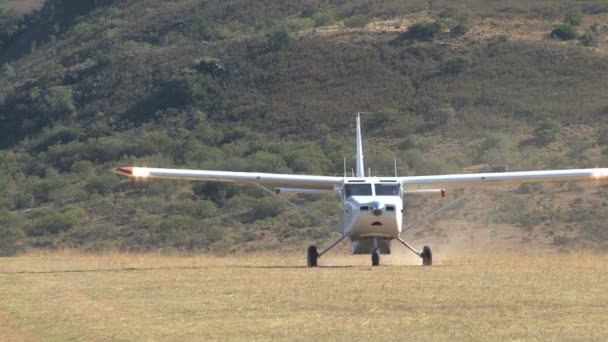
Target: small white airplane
{"points": [[373, 206]]}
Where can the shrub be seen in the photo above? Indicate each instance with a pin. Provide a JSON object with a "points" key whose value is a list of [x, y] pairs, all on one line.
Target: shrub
{"points": [[10, 24], [7, 72], [424, 30], [11, 240], [216, 192], [574, 17], [200, 209], [357, 21], [101, 185], [279, 39], [603, 137], [459, 29], [547, 131], [591, 37], [49, 221], [266, 207], [456, 65], [323, 19], [210, 65], [176, 231], [457, 20], [60, 100], [564, 32]]}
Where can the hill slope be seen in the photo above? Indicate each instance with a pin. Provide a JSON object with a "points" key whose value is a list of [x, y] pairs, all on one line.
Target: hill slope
{"points": [[273, 87]]}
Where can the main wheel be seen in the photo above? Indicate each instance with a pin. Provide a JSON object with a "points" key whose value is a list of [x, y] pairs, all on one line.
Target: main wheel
{"points": [[312, 256], [375, 257], [427, 256]]}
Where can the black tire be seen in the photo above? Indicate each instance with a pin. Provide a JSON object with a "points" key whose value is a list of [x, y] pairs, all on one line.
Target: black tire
{"points": [[375, 257], [427, 256], [312, 256]]}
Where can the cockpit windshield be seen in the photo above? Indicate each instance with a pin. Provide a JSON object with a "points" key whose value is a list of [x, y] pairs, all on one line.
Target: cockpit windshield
{"points": [[387, 189], [357, 190]]}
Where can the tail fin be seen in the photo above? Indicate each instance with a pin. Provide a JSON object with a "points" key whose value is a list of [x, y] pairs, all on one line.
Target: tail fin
{"points": [[360, 167]]}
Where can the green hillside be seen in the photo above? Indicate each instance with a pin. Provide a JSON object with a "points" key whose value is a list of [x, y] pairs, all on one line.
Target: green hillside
{"points": [[273, 86]]}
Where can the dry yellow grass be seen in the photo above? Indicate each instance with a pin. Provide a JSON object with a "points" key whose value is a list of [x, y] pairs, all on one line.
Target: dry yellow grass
{"points": [[68, 296]]}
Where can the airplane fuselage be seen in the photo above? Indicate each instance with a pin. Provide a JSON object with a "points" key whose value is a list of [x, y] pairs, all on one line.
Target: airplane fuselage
{"points": [[373, 212]]}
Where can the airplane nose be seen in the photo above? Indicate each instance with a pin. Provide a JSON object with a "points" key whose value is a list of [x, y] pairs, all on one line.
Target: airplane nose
{"points": [[376, 209]]}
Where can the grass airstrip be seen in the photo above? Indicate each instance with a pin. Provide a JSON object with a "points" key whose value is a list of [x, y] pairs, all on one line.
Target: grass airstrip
{"points": [[70, 296]]}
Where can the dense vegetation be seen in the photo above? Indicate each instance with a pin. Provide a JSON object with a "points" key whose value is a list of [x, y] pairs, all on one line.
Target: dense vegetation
{"points": [[88, 85]]}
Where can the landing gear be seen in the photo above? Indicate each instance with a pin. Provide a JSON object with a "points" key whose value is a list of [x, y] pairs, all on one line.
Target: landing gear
{"points": [[375, 257], [427, 256], [312, 257]]}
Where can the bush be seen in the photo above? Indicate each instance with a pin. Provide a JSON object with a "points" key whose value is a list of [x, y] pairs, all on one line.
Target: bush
{"points": [[424, 30], [7, 72], [603, 137], [210, 65], [266, 207], [49, 221], [10, 24], [358, 21], [11, 240], [217, 192], [591, 37], [574, 17], [278, 39], [564, 32], [101, 185], [547, 131], [323, 19], [200, 209], [456, 65], [60, 101], [457, 20]]}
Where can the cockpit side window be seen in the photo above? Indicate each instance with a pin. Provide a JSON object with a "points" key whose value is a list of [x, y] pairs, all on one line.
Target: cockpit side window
{"points": [[387, 189], [357, 190]]}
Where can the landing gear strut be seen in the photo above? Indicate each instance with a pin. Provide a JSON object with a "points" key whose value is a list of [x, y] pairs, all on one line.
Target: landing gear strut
{"points": [[426, 255]]}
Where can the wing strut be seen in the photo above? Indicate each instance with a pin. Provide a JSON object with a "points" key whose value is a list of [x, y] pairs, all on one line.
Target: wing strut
{"points": [[438, 210]]}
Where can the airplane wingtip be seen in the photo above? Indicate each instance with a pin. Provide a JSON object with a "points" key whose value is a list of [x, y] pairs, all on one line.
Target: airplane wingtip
{"points": [[125, 170]]}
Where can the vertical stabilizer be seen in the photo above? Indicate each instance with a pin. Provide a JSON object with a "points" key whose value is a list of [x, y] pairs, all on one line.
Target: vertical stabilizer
{"points": [[360, 167]]}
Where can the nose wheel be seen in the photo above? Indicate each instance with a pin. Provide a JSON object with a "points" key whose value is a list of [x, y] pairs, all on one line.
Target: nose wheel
{"points": [[375, 257]]}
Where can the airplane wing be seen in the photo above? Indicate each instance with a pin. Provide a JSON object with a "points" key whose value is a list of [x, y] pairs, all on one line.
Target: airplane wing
{"points": [[269, 180], [455, 181]]}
